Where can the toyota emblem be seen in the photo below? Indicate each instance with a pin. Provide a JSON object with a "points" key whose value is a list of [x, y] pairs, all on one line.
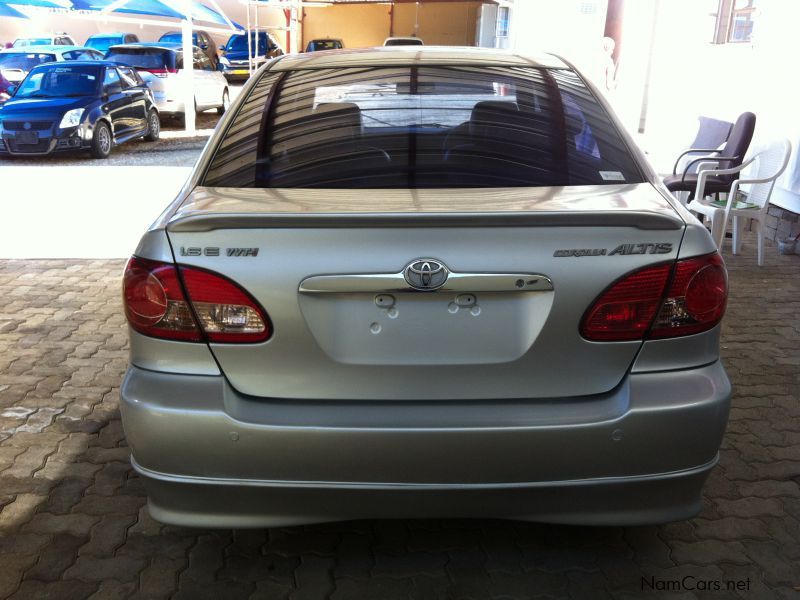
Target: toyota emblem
{"points": [[426, 274]]}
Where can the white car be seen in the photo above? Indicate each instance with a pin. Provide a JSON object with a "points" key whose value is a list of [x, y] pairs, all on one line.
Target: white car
{"points": [[403, 41], [45, 39], [161, 65], [16, 62]]}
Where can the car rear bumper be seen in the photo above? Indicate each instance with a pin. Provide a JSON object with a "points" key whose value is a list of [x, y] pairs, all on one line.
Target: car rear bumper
{"points": [[212, 457]]}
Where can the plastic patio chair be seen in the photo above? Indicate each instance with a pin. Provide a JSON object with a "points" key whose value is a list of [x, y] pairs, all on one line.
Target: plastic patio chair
{"points": [[770, 162]]}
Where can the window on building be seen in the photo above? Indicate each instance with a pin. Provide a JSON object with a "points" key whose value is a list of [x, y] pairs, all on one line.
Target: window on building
{"points": [[502, 21], [734, 21]]}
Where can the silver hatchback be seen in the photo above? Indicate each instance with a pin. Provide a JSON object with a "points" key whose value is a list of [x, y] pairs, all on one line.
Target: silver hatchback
{"points": [[423, 282]]}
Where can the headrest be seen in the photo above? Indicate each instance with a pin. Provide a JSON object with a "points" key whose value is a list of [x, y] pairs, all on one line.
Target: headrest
{"points": [[340, 115], [493, 111]]}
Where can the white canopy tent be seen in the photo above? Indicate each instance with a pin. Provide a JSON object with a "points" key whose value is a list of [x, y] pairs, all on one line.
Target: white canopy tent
{"points": [[179, 13]]}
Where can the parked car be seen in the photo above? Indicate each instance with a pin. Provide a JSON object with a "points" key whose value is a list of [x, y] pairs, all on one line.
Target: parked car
{"points": [[423, 300], [201, 39], [234, 63], [324, 44], [103, 41], [46, 39], [5, 84], [403, 41], [80, 105], [16, 62], [160, 64]]}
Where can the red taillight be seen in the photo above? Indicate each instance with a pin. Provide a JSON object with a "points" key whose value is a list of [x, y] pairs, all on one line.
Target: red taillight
{"points": [[154, 301], [626, 310], [696, 299], [226, 312], [155, 305], [637, 303]]}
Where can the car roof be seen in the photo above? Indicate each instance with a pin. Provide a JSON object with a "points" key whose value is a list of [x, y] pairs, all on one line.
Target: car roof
{"points": [[42, 48], [174, 31], [416, 56], [326, 40], [109, 34], [78, 63], [174, 46]]}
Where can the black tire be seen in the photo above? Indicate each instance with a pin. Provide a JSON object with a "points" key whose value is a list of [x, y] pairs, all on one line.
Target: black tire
{"points": [[226, 102], [102, 140], [153, 126]]}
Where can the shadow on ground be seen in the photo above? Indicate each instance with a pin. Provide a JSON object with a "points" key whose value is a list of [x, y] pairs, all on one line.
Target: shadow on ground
{"points": [[74, 523]]}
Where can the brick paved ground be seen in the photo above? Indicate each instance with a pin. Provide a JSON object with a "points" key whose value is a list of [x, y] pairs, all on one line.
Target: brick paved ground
{"points": [[74, 524]]}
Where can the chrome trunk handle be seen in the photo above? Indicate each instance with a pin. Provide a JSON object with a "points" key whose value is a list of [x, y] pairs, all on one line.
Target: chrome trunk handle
{"points": [[375, 283]]}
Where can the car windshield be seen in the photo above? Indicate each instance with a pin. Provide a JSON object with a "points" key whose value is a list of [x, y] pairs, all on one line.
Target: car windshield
{"points": [[23, 61], [147, 59], [238, 43], [60, 81], [103, 43], [427, 127], [318, 45], [33, 42]]}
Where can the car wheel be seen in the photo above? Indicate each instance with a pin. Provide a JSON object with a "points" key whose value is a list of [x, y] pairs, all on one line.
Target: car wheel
{"points": [[226, 102], [153, 126], [101, 140]]}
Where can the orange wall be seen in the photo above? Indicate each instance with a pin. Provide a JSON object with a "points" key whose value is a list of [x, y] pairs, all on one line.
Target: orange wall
{"points": [[440, 24], [358, 26]]}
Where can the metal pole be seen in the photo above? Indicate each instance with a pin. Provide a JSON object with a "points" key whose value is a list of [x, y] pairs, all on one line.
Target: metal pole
{"points": [[294, 43], [188, 75], [649, 71], [255, 41], [249, 49]]}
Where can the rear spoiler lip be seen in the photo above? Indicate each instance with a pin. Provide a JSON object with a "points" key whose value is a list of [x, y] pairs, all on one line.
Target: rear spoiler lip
{"points": [[210, 221]]}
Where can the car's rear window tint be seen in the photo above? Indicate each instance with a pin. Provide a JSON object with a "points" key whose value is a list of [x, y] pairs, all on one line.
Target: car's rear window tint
{"points": [[423, 127], [150, 59]]}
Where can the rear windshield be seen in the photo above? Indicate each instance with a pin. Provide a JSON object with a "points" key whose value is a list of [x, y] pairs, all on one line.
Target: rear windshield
{"points": [[423, 127], [403, 42], [103, 43], [319, 45], [148, 59], [33, 42], [24, 61]]}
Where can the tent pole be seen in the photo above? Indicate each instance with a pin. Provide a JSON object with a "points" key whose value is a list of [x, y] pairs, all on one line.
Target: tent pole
{"points": [[249, 45], [188, 75]]}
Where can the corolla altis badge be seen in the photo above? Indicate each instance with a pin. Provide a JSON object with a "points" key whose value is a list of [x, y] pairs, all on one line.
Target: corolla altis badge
{"points": [[426, 274]]}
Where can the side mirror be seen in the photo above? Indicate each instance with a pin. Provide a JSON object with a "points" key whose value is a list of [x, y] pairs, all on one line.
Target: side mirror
{"points": [[222, 48], [113, 88], [12, 89]]}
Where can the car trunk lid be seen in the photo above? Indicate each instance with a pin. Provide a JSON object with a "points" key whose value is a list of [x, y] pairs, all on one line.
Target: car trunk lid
{"points": [[336, 270]]}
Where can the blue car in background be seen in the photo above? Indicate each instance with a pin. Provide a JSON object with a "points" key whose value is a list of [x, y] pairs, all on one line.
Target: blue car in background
{"points": [[104, 41], [77, 105], [233, 62], [200, 38]]}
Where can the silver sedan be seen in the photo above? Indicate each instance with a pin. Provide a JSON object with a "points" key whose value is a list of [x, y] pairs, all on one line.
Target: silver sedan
{"points": [[423, 282]]}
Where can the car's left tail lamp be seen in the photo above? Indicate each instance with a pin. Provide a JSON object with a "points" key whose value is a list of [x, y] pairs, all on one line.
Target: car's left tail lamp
{"points": [[190, 304]]}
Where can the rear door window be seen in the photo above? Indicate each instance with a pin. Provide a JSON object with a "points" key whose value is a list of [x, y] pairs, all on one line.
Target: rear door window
{"points": [[432, 127]]}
